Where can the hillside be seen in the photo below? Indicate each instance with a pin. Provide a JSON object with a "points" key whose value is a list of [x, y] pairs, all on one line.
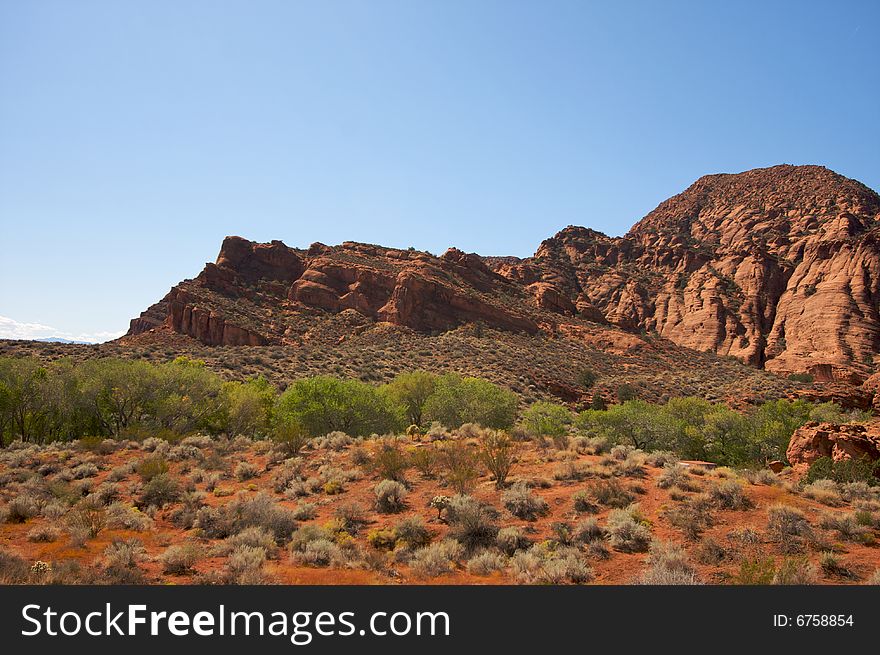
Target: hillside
{"points": [[778, 267]]}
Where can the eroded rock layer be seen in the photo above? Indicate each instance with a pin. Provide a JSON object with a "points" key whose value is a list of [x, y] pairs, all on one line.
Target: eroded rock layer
{"points": [[779, 267]]}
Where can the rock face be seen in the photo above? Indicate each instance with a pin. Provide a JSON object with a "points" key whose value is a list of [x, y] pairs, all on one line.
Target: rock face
{"points": [[839, 442], [253, 292], [779, 267]]}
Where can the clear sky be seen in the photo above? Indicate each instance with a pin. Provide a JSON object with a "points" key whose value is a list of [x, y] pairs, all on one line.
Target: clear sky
{"points": [[135, 135]]}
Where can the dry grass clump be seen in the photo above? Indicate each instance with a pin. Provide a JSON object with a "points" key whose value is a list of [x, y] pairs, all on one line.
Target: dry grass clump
{"points": [[523, 504], [179, 559], [668, 565], [627, 530], [436, 559], [730, 495], [789, 528], [390, 496]]}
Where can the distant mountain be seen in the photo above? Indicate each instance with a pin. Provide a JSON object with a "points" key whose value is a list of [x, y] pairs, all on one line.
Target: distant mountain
{"points": [[778, 267], [60, 340]]}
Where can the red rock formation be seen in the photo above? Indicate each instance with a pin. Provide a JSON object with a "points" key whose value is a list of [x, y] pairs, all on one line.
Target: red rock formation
{"points": [[779, 267], [839, 442]]}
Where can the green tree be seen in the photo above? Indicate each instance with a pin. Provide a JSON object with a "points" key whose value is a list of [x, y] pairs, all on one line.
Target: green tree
{"points": [[546, 419], [634, 422], [457, 401], [117, 393], [323, 404], [188, 396], [247, 406], [772, 425], [411, 390]]}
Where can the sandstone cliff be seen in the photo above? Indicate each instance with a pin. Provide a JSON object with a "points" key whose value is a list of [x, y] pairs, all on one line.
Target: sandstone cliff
{"points": [[779, 267]]}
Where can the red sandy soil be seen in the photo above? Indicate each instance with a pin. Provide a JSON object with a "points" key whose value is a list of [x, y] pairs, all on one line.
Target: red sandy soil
{"points": [[621, 568]]}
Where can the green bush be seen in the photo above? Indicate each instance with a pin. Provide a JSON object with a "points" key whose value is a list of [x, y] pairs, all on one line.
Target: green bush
{"points": [[545, 419], [457, 401], [324, 404], [843, 471]]}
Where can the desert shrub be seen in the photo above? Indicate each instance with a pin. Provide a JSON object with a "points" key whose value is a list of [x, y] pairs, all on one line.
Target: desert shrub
{"points": [[459, 463], [471, 523], [486, 563], [352, 516], [588, 531], [610, 493], [54, 509], [412, 533], [497, 452], [755, 571], [523, 504], [823, 491], [245, 565], [633, 465], [692, 516], [436, 559], [107, 493], [289, 471], [511, 539], [389, 461], [120, 516], [289, 436], [425, 460], [759, 476], [13, 569], [675, 475], [304, 512], [788, 527], [262, 511], [661, 458], [149, 467], [84, 470], [245, 471], [44, 534], [874, 578], [86, 520], [161, 490], [847, 525], [710, 552], [255, 537], [570, 470], [730, 495], [627, 531], [382, 538], [668, 565], [179, 559], [583, 502], [243, 512], [795, 571], [560, 566], [833, 565], [21, 508], [122, 559], [390, 496], [190, 504], [563, 533]]}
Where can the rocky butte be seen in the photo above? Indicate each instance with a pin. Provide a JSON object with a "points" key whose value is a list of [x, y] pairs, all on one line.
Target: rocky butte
{"points": [[779, 267]]}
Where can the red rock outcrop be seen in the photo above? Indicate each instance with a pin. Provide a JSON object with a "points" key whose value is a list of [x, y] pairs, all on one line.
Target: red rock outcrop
{"points": [[779, 267], [839, 442]]}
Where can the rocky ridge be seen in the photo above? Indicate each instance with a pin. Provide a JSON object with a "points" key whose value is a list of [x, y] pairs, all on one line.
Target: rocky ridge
{"points": [[778, 267]]}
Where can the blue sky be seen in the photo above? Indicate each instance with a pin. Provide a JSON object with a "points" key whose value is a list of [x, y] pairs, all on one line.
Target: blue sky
{"points": [[135, 135]]}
